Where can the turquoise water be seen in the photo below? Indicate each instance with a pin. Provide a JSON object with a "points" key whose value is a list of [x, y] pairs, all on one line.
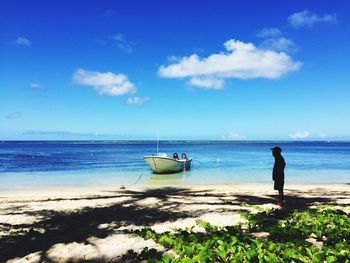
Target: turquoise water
{"points": [[78, 163]]}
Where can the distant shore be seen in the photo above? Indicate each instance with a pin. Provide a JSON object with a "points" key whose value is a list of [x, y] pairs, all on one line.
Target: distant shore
{"points": [[92, 223]]}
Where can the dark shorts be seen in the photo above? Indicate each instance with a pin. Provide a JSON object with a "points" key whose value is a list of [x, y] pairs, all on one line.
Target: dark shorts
{"points": [[279, 184]]}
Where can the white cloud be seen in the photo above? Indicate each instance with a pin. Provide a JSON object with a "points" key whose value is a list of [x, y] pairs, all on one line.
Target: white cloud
{"points": [[104, 83], [35, 86], [123, 44], [207, 82], [299, 135], [109, 13], [322, 135], [22, 41], [233, 136], [14, 115], [241, 60], [64, 133], [137, 100], [279, 44], [269, 32], [119, 37], [198, 50], [173, 58], [308, 19]]}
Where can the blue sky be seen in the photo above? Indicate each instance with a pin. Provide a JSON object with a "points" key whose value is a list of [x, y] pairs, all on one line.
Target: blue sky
{"points": [[253, 70]]}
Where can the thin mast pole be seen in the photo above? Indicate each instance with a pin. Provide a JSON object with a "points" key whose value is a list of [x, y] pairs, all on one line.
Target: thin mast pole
{"points": [[157, 142]]}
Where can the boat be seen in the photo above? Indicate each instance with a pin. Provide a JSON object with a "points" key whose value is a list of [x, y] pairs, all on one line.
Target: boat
{"points": [[162, 164]]}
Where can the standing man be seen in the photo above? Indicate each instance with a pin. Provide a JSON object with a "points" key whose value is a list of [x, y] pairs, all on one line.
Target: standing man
{"points": [[278, 173]]}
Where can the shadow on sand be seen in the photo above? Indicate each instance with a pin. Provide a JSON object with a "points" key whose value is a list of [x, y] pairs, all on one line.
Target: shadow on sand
{"points": [[63, 227]]}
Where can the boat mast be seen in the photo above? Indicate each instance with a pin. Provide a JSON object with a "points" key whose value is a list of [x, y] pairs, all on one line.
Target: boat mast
{"points": [[157, 142]]}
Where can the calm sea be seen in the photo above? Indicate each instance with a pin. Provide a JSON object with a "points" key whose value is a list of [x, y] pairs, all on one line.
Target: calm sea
{"points": [[71, 163]]}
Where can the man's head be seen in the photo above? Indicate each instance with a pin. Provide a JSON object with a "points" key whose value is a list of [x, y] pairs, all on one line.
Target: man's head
{"points": [[276, 151]]}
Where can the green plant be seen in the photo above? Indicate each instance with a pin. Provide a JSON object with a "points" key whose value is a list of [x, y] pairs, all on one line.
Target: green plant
{"points": [[286, 241]]}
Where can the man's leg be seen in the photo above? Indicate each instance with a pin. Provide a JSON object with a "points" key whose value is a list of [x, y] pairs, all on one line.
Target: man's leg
{"points": [[280, 197]]}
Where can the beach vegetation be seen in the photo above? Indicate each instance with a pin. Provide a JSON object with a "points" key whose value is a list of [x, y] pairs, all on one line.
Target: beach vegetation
{"points": [[313, 235]]}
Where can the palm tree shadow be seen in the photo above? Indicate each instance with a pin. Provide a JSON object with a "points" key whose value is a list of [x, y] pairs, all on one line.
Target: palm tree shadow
{"points": [[66, 227]]}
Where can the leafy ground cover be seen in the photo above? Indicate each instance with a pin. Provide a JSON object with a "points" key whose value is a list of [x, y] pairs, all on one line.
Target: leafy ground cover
{"points": [[314, 235]]}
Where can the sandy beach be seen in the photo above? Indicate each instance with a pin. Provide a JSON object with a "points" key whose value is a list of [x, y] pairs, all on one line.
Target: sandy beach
{"points": [[93, 224], [158, 131]]}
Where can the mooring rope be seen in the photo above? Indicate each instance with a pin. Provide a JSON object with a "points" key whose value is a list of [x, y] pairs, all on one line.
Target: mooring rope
{"points": [[198, 161], [138, 179]]}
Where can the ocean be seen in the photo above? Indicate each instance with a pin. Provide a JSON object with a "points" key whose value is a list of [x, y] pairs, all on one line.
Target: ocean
{"points": [[30, 164]]}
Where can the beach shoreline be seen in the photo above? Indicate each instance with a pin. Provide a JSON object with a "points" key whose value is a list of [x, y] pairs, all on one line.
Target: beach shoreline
{"points": [[72, 190], [93, 223]]}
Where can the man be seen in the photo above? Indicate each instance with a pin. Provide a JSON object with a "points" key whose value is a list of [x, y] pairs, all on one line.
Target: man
{"points": [[278, 173]]}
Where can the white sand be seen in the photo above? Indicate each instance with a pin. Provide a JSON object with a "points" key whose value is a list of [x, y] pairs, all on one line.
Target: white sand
{"points": [[75, 224]]}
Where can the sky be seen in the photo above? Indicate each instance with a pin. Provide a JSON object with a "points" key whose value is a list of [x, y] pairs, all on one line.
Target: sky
{"points": [[190, 70]]}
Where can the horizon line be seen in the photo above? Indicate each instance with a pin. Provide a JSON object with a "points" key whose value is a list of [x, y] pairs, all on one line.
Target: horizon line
{"points": [[173, 140]]}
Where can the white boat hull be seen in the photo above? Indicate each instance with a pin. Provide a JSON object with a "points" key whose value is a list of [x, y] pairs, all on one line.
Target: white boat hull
{"points": [[164, 165]]}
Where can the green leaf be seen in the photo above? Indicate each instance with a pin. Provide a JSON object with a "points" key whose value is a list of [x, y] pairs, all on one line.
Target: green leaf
{"points": [[166, 259], [234, 240], [331, 259], [251, 253], [272, 247], [233, 249], [186, 260], [317, 257]]}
